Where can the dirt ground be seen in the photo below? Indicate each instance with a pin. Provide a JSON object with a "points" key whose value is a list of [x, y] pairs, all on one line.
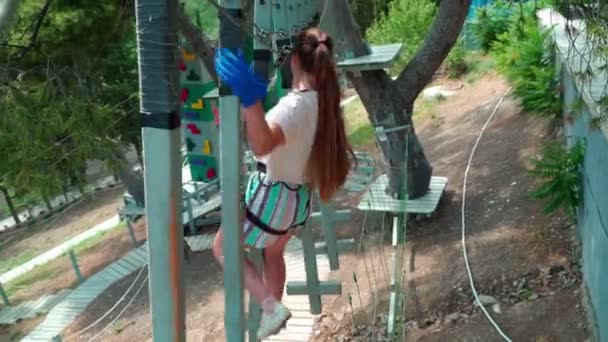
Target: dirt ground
{"points": [[53, 232], [520, 257]]}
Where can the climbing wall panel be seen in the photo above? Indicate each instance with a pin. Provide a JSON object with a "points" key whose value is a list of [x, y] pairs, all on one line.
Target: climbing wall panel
{"points": [[200, 118]]}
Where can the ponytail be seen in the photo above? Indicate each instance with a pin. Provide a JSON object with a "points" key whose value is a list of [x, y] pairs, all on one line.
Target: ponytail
{"points": [[329, 161]]}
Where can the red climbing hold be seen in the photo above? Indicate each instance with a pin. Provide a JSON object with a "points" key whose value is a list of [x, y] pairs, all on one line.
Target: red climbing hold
{"points": [[211, 173], [193, 129], [184, 95], [182, 66], [216, 113]]}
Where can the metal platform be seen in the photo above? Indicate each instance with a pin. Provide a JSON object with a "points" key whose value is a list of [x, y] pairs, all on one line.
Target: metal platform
{"points": [[382, 57], [375, 199]]}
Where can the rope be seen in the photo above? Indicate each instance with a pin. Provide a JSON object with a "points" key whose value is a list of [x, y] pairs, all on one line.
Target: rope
{"points": [[107, 313], [463, 212], [141, 286]]}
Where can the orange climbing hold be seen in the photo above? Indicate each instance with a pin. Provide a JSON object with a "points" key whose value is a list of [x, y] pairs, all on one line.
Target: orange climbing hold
{"points": [[188, 57], [198, 104]]}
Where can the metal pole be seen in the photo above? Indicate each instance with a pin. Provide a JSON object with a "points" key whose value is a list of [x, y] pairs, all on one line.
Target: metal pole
{"points": [[4, 296], [131, 232], [158, 79], [230, 166], [79, 276]]}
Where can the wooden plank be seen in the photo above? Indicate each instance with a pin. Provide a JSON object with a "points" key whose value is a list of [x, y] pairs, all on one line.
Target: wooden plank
{"points": [[6, 313], [300, 288]]}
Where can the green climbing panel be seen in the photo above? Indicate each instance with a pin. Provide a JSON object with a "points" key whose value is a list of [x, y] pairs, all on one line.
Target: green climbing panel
{"points": [[200, 118]]}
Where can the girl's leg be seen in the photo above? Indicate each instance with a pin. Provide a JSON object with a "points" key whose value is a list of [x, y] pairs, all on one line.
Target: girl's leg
{"points": [[274, 266], [253, 282]]}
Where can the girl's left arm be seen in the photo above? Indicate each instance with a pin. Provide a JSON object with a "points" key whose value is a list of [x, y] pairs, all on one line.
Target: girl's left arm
{"points": [[263, 137]]}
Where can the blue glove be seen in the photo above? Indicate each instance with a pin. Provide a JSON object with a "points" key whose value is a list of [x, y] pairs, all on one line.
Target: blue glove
{"points": [[233, 71]]}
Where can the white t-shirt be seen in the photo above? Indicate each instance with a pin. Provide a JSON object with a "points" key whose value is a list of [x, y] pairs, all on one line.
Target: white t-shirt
{"points": [[296, 114]]}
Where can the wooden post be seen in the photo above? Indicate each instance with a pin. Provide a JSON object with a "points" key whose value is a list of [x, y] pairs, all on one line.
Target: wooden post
{"points": [[255, 310], [312, 287], [4, 296], [230, 167], [328, 223], [191, 225], [131, 232], [79, 276], [157, 41]]}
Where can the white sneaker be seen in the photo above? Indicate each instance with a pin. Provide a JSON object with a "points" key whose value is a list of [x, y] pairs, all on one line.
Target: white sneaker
{"points": [[270, 324]]}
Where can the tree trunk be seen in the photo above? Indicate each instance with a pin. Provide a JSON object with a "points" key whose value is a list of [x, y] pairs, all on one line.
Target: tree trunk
{"points": [[132, 181], [391, 103], [47, 202], [66, 189], [10, 204]]}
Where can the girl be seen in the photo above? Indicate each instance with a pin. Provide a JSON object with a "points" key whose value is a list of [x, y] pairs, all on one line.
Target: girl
{"points": [[300, 146]]}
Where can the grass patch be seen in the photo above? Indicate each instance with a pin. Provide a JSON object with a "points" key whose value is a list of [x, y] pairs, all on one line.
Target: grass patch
{"points": [[95, 240], [479, 65], [39, 273], [424, 108], [21, 258], [359, 129]]}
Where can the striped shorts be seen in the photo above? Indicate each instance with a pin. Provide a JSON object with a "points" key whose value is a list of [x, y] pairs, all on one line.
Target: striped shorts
{"points": [[272, 209]]}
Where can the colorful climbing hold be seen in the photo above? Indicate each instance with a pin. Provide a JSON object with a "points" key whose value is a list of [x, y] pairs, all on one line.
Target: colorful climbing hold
{"points": [[197, 161], [211, 173], [188, 57], [190, 145], [184, 95], [182, 66], [216, 112], [193, 129], [198, 104], [207, 147], [193, 76], [191, 115]]}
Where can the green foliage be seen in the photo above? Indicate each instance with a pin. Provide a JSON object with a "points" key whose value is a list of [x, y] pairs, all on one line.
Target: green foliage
{"points": [[407, 22], [457, 61], [366, 12], [559, 169], [204, 16], [68, 92], [521, 54], [495, 19], [490, 22]]}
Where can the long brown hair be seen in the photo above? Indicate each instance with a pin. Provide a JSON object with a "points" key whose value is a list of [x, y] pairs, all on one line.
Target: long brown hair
{"points": [[329, 161]]}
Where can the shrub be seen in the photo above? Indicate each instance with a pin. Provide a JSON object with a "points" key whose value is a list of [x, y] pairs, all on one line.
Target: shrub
{"points": [[493, 20], [407, 22], [521, 54], [560, 171], [457, 61], [490, 22]]}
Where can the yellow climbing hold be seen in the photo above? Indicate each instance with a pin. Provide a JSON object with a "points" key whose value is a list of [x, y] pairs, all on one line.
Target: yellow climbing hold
{"points": [[198, 104], [188, 57], [207, 147]]}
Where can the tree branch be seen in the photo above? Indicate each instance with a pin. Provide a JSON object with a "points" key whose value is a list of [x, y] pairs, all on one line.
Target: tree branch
{"points": [[198, 41], [36, 30], [440, 39]]}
